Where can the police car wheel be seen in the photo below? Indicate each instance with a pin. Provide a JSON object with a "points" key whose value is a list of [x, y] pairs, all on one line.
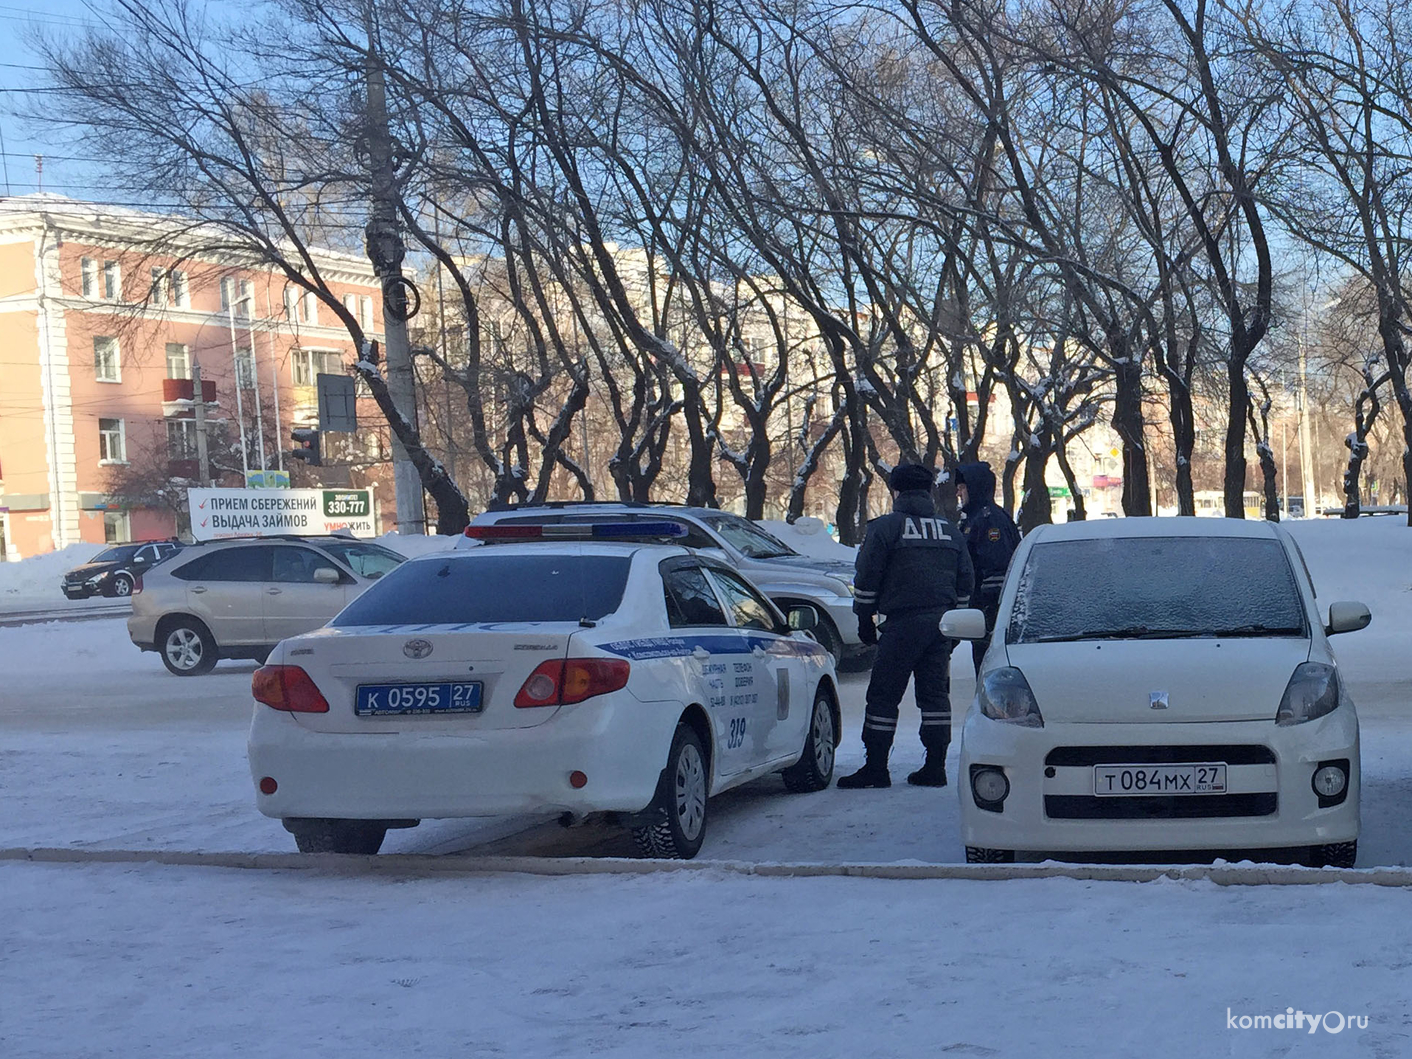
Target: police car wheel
{"points": [[981, 855], [814, 770], [679, 809]]}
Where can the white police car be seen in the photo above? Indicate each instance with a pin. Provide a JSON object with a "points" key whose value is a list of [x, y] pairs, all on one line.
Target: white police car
{"points": [[572, 669]]}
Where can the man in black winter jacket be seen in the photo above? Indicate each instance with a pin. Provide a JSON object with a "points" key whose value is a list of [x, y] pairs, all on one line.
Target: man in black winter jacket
{"points": [[912, 568], [991, 537]]}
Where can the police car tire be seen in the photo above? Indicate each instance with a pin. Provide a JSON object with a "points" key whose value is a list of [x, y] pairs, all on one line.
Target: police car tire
{"points": [[664, 838], [315, 835], [805, 775], [981, 855]]}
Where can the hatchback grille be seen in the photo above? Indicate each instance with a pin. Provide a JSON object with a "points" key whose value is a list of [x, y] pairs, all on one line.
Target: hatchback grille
{"points": [[1160, 807], [1230, 753]]}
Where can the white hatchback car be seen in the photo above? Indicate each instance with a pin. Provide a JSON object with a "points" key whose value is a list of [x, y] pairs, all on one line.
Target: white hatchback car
{"points": [[1161, 685], [629, 678]]}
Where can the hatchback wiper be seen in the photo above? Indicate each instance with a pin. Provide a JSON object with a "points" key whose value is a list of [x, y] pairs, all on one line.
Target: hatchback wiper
{"points": [[1131, 632], [1257, 630]]}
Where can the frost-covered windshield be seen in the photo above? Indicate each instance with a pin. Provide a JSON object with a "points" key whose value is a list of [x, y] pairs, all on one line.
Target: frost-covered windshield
{"points": [[1156, 588], [746, 537]]}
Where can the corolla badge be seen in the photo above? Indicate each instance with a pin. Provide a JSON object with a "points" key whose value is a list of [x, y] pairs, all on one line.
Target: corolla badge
{"points": [[1159, 700], [416, 648]]}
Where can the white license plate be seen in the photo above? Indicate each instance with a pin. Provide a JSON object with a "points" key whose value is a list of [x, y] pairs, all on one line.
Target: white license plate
{"points": [[1130, 781]]}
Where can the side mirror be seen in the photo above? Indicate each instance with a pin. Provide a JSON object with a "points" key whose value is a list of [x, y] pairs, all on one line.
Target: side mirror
{"points": [[963, 624], [1347, 617], [803, 618], [326, 575]]}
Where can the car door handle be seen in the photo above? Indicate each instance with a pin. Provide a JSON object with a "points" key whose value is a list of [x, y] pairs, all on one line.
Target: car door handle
{"points": [[700, 653], [273, 591], [199, 589], [758, 651]]}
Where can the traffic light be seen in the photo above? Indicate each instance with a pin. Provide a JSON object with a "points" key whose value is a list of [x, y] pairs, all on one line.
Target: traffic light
{"points": [[308, 449]]}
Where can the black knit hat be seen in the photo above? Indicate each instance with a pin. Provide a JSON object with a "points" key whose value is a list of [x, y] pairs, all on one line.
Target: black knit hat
{"points": [[909, 476]]}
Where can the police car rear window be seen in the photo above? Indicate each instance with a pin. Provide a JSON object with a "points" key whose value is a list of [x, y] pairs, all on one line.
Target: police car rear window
{"points": [[486, 587]]}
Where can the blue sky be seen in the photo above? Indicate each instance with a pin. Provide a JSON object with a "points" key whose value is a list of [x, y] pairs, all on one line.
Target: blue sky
{"points": [[19, 70]]}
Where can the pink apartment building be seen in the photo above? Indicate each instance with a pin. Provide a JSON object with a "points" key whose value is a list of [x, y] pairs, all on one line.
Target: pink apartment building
{"points": [[99, 336]]}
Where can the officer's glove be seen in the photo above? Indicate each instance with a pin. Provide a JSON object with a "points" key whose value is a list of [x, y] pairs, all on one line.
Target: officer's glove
{"points": [[867, 630]]}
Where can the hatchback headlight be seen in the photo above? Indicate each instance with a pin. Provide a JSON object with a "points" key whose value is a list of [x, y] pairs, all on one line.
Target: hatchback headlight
{"points": [[1005, 695], [1314, 690]]}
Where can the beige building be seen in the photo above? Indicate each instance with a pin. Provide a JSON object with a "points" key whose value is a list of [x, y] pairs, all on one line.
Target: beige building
{"points": [[105, 315]]}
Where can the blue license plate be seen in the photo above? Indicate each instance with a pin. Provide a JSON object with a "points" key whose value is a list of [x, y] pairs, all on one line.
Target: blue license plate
{"points": [[454, 697]]}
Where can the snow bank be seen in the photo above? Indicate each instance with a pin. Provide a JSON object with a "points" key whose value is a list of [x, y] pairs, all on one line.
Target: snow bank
{"points": [[34, 582], [810, 536]]}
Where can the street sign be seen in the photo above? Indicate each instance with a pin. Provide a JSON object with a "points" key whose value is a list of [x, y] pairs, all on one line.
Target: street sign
{"points": [[217, 513], [338, 404]]}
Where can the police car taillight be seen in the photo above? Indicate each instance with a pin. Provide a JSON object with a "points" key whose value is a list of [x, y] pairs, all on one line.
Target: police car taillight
{"points": [[288, 688], [577, 531], [565, 681]]}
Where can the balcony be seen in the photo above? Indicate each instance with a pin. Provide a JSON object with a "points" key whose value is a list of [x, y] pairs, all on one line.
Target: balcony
{"points": [[184, 390]]}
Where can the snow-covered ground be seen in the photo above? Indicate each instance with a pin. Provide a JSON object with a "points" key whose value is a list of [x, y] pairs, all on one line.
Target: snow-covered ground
{"points": [[138, 961]]}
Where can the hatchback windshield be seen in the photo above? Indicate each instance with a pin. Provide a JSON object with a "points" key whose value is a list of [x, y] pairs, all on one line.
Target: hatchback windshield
{"points": [[116, 555], [1156, 588], [746, 537], [365, 560], [492, 588]]}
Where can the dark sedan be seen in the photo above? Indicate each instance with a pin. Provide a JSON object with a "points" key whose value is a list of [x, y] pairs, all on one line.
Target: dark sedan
{"points": [[115, 571]]}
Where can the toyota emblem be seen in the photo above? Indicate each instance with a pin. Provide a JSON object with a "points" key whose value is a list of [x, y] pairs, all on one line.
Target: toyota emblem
{"points": [[416, 648]]}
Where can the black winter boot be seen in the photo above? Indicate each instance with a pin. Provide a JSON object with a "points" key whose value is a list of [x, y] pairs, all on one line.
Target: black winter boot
{"points": [[931, 774], [873, 773]]}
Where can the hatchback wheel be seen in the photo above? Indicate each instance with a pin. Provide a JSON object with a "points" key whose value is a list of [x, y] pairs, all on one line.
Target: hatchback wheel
{"points": [[316, 835], [121, 587], [814, 771], [187, 648], [981, 855], [679, 809], [1337, 855]]}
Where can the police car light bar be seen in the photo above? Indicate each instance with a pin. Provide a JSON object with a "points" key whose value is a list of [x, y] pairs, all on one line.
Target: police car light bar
{"points": [[577, 531]]}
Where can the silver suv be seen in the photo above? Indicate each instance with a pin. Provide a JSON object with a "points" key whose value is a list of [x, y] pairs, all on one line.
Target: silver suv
{"points": [[784, 575], [238, 598]]}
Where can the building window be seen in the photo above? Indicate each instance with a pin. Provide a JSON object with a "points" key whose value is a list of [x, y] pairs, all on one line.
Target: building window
{"points": [[350, 302], [245, 368], [245, 306], [112, 444], [178, 361], [112, 281], [291, 304], [158, 293], [117, 527], [181, 290], [181, 439], [308, 364], [309, 308], [365, 313], [88, 269], [105, 360]]}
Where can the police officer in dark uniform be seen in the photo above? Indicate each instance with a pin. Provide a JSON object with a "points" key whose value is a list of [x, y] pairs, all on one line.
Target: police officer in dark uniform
{"points": [[912, 568], [991, 538]]}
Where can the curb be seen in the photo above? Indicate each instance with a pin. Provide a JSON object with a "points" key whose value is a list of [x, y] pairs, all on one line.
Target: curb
{"points": [[404, 864]]}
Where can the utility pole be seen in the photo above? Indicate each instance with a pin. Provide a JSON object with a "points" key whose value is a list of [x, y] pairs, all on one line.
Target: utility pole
{"points": [[1306, 462], [255, 380], [239, 402], [386, 251], [203, 458]]}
